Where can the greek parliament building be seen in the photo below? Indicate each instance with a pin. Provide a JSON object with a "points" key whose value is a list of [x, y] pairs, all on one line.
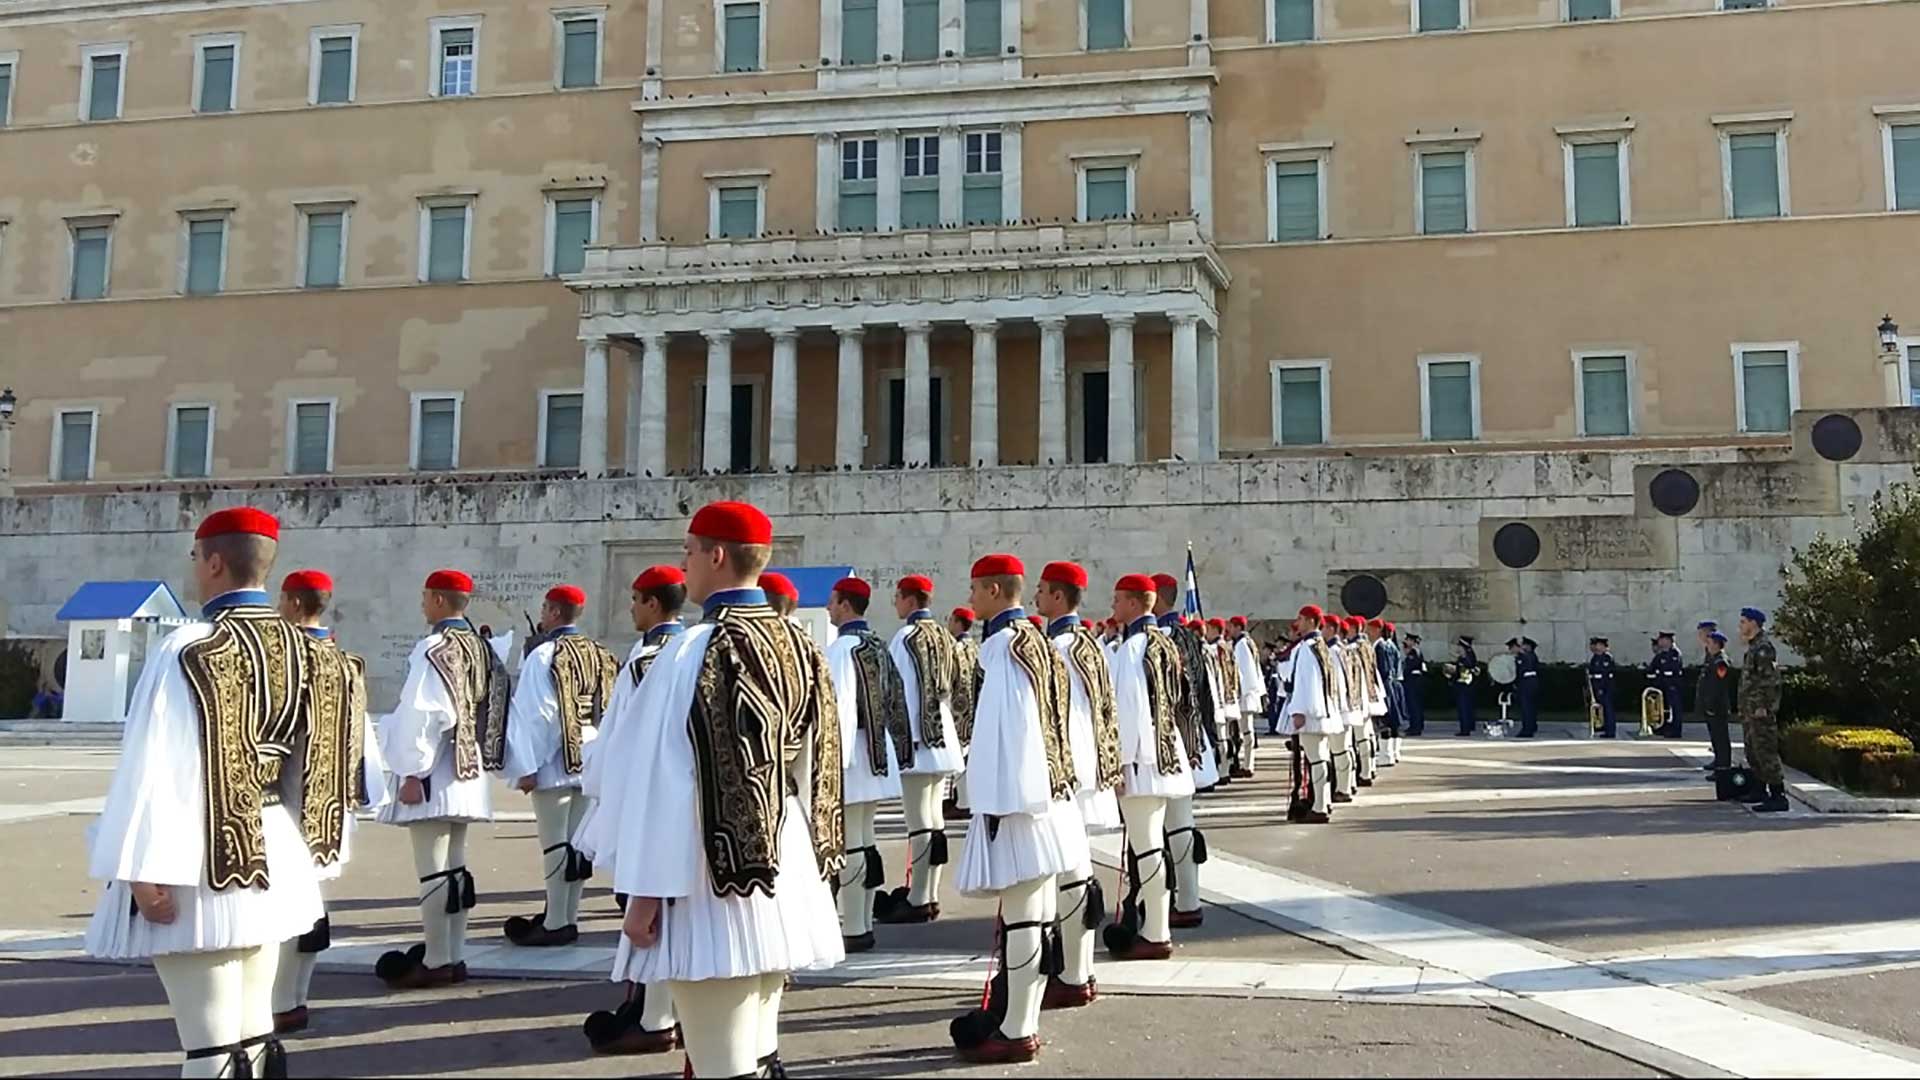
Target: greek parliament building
{"points": [[465, 242]]}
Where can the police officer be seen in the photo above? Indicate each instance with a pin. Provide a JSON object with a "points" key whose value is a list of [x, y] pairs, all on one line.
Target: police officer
{"points": [[1413, 672], [1715, 699], [1527, 666], [1666, 673], [1465, 669], [1759, 704], [1600, 671]]}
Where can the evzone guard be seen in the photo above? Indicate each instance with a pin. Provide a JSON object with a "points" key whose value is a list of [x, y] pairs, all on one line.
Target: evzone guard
{"points": [[644, 1022], [965, 685], [235, 781], [1340, 700], [1363, 683], [737, 722], [875, 744], [448, 731], [1311, 716], [1200, 735], [565, 686], [1253, 683], [928, 662]]}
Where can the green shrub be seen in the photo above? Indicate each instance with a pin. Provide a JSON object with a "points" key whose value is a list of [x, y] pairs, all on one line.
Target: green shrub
{"points": [[19, 678], [1895, 773]]}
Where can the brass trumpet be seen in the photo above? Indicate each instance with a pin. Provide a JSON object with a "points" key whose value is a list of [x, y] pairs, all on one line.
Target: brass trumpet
{"points": [[1596, 717], [1653, 711]]}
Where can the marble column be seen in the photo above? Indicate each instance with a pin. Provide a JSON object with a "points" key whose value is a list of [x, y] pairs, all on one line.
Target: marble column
{"points": [[985, 443], [630, 439], [1121, 430], [1186, 387], [1209, 393], [916, 445], [1053, 390], [849, 429], [593, 409], [783, 435], [652, 438], [716, 449]]}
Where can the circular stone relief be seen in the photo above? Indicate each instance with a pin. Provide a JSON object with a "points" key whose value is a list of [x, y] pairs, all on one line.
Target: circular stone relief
{"points": [[1674, 492], [1516, 545], [1364, 595], [1836, 437]]}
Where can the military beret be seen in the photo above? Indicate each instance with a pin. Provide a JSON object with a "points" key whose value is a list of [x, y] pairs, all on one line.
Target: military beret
{"points": [[853, 586], [1717, 636], [307, 581], [452, 581], [998, 565], [655, 576], [1754, 615], [779, 585], [571, 595], [1065, 573], [733, 522], [239, 521]]}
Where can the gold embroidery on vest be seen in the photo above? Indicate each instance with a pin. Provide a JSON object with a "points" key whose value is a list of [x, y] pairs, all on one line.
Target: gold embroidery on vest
{"points": [[1046, 669], [583, 677], [467, 665], [881, 707], [1090, 660], [932, 651], [335, 782], [966, 687], [1161, 665]]}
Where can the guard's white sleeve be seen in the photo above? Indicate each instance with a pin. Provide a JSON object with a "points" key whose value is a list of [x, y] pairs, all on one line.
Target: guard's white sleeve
{"points": [[651, 806], [410, 735], [1130, 704], [533, 717], [1253, 684], [846, 689], [152, 828], [1007, 766]]}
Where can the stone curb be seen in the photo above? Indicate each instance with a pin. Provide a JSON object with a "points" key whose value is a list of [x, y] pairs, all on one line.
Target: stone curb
{"points": [[1823, 797]]}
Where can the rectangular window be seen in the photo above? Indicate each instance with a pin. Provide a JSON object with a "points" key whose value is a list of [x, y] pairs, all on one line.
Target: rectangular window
{"points": [[573, 229], [920, 182], [192, 441], [1742, 5], [1299, 404], [92, 250], [1605, 396], [1443, 193], [860, 31], [579, 53], [737, 212], [980, 187], [1753, 174], [326, 249], [6, 93], [458, 60], [1106, 192], [216, 77], [206, 255], [312, 450], [920, 29], [1589, 10], [73, 454], [1293, 20], [1596, 183], [1438, 15], [436, 433], [103, 85], [1913, 374], [560, 443], [1903, 141], [983, 27], [333, 75], [1767, 394], [1452, 399], [1296, 201], [446, 241], [859, 184], [1106, 23], [741, 37]]}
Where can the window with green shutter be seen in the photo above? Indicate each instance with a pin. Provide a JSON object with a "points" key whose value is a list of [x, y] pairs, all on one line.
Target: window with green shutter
{"points": [[6, 94], [206, 252], [1450, 400], [103, 98], [562, 447], [1443, 192], [983, 27], [572, 232], [1293, 20], [1596, 183], [91, 244], [192, 433], [981, 186], [1913, 374], [1753, 172], [326, 235], [1589, 10], [335, 84], [312, 438], [1604, 401], [579, 53], [1106, 23], [1439, 14], [76, 447], [1906, 166], [742, 34], [920, 182], [1296, 200], [447, 243], [216, 78], [1767, 390], [438, 434], [739, 212], [1742, 5], [860, 32], [1299, 410], [859, 186], [1106, 193], [920, 29]]}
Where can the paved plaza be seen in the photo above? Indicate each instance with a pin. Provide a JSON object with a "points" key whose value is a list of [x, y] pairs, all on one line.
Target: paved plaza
{"points": [[1560, 907]]}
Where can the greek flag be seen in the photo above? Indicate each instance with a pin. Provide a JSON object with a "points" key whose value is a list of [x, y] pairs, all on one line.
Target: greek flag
{"points": [[1194, 608]]}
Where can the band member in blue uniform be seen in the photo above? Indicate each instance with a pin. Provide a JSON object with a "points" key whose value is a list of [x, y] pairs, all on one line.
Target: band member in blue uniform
{"points": [[1667, 672], [1464, 673], [1600, 671], [1526, 665], [1413, 674], [1715, 698]]}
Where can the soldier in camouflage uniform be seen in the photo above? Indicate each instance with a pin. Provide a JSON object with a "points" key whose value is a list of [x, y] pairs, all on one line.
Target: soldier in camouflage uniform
{"points": [[1759, 704]]}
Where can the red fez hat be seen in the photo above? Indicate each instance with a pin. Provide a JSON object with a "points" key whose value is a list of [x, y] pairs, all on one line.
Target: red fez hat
{"points": [[571, 595], [1086, 624], [779, 585], [1312, 611], [1165, 581], [1037, 621], [1377, 624], [1238, 620], [1388, 627], [307, 581], [1217, 624], [853, 586], [998, 566], [1134, 583], [1065, 573], [239, 521], [449, 581], [734, 522], [655, 576], [965, 613], [1351, 622], [916, 583], [1329, 622]]}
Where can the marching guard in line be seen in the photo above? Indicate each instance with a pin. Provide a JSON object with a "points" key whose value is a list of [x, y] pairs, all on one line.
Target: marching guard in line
{"points": [[1363, 681], [233, 788], [1200, 735], [448, 728], [1386, 658], [966, 686], [1340, 698], [565, 687], [782, 595], [928, 662], [1223, 682], [875, 744], [304, 598], [1253, 686], [1311, 716]]}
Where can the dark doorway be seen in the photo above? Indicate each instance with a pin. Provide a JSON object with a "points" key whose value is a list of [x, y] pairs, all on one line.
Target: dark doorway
{"points": [[1093, 417], [897, 421]]}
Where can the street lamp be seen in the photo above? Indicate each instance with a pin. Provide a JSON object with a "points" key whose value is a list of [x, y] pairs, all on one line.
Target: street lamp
{"points": [[7, 404], [1893, 374], [1889, 340]]}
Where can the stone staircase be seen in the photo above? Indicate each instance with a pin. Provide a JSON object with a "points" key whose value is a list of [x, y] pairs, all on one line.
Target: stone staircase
{"points": [[59, 733]]}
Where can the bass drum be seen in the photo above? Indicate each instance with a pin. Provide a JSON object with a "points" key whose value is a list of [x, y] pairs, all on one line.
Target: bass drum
{"points": [[1502, 670]]}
